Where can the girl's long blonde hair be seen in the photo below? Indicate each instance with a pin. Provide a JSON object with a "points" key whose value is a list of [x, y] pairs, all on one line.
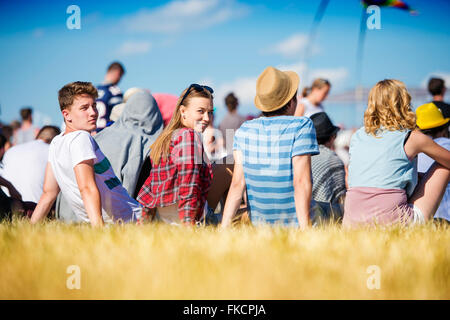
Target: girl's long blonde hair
{"points": [[389, 106], [160, 148]]}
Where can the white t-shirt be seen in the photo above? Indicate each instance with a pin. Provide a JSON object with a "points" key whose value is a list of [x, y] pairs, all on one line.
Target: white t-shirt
{"points": [[310, 108], [24, 166], [68, 150], [424, 163]]}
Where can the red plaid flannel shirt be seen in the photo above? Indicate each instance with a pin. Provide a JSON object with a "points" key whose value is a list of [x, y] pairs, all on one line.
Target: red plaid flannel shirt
{"points": [[184, 178]]}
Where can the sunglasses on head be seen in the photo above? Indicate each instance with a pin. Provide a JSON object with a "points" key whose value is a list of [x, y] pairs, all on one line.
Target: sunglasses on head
{"points": [[198, 88]]}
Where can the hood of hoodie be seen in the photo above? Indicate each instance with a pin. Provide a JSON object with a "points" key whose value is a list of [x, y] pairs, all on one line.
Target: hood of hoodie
{"points": [[126, 143], [140, 114]]}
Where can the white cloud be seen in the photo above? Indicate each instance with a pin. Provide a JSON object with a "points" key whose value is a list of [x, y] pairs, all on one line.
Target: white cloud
{"points": [[438, 74], [299, 67], [181, 15], [335, 75], [291, 47], [244, 88], [134, 47]]}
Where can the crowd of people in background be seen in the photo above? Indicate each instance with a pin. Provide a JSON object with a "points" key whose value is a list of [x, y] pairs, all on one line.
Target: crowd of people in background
{"points": [[144, 157]]}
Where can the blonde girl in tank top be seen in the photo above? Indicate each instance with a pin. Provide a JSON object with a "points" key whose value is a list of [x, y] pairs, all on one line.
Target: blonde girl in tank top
{"points": [[384, 188]]}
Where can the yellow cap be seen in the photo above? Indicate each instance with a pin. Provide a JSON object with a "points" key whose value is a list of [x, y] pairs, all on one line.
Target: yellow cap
{"points": [[429, 116]]}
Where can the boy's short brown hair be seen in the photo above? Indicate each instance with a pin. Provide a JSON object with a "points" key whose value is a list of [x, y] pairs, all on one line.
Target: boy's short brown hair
{"points": [[67, 94]]}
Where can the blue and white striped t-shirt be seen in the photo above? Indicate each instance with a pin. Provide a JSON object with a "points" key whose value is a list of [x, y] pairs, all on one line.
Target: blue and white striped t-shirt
{"points": [[268, 145]]}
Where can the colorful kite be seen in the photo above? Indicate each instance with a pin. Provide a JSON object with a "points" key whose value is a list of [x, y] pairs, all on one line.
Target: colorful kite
{"points": [[389, 3]]}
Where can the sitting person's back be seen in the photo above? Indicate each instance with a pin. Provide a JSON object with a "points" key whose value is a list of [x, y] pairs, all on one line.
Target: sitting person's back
{"points": [[272, 156], [328, 170], [24, 164], [380, 175], [127, 142], [383, 181], [268, 145]]}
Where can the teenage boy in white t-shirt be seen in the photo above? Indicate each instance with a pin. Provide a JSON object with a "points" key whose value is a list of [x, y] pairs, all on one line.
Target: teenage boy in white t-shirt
{"points": [[78, 168]]}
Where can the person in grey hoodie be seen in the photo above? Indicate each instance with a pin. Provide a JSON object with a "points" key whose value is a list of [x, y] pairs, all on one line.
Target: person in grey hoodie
{"points": [[126, 144]]}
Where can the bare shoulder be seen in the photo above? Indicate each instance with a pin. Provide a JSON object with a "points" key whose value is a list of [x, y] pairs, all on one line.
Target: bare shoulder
{"points": [[418, 138], [417, 143]]}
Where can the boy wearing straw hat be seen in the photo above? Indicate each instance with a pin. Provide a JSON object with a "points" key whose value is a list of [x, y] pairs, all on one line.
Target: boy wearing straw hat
{"points": [[273, 156], [431, 121]]}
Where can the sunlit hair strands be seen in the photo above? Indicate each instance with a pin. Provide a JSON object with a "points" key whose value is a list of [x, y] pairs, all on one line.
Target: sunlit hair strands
{"points": [[389, 108]]}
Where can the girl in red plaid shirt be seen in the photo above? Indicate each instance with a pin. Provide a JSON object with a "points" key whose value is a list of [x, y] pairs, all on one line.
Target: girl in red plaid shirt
{"points": [[181, 173]]}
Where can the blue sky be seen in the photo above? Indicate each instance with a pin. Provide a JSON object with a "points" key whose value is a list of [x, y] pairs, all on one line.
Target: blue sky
{"points": [[166, 45]]}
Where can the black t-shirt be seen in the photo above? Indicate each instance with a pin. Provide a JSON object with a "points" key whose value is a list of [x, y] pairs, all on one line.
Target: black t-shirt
{"points": [[445, 108]]}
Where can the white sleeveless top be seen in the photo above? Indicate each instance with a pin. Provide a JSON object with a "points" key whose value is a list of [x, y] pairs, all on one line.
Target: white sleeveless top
{"points": [[310, 108]]}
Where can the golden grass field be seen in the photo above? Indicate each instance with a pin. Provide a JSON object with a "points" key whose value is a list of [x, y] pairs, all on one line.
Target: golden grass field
{"points": [[166, 262]]}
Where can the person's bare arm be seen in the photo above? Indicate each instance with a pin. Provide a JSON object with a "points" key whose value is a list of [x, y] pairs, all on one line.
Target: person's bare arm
{"points": [[48, 197], [300, 110], [302, 188], [236, 191], [419, 142], [85, 175]]}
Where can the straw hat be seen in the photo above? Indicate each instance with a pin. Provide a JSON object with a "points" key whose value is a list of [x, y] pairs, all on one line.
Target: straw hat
{"points": [[429, 116], [275, 88]]}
